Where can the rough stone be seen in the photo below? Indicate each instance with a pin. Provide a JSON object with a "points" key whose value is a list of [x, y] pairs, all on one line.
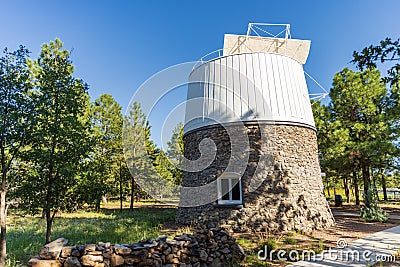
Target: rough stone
{"points": [[75, 253], [132, 259], [53, 249], [36, 262], [203, 246], [146, 262], [161, 238], [117, 260], [170, 258], [105, 245], [203, 255], [91, 260], [238, 252], [167, 251], [226, 251], [95, 253], [281, 183], [72, 262], [67, 251], [122, 250], [89, 248]]}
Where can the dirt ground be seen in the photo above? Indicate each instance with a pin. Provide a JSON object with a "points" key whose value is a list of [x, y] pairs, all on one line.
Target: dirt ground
{"points": [[352, 228], [348, 227]]}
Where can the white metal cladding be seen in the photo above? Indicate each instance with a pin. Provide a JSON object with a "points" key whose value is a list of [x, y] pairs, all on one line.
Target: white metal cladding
{"points": [[248, 87]]}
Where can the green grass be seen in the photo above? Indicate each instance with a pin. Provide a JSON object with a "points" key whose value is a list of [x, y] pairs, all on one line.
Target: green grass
{"points": [[268, 245], [26, 235], [289, 240]]}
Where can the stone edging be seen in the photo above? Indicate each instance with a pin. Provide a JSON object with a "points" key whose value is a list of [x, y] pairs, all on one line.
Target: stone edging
{"points": [[214, 247]]}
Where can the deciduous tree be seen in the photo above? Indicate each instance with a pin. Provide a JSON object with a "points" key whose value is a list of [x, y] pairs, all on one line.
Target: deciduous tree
{"points": [[15, 119]]}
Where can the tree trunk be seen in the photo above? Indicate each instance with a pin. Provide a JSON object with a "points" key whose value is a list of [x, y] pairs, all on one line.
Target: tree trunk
{"points": [[3, 209], [375, 187], [3, 234], [385, 197], [132, 193], [356, 191], [98, 201], [49, 222], [120, 187], [366, 180], [346, 188]]}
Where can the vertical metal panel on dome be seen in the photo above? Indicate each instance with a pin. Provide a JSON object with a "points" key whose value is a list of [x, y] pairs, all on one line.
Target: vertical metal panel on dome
{"points": [[248, 87]]}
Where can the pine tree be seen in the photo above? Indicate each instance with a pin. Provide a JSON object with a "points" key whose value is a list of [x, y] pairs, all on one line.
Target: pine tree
{"points": [[60, 136], [134, 138], [107, 157], [175, 153]]}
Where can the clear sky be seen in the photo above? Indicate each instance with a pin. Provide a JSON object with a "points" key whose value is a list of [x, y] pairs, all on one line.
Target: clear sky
{"points": [[117, 45]]}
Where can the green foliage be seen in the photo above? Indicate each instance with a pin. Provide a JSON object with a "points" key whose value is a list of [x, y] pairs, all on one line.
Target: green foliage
{"points": [[358, 100], [373, 213], [60, 137], [15, 105], [15, 117], [136, 135], [163, 166], [169, 164], [318, 247], [387, 50], [64, 152], [175, 153], [245, 243], [355, 132], [269, 244], [106, 160], [289, 241]]}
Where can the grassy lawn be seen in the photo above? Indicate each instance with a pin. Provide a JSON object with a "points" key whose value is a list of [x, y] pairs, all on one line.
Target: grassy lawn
{"points": [[26, 234]]}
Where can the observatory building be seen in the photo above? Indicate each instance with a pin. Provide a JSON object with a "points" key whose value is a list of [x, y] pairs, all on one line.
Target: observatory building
{"points": [[250, 138]]}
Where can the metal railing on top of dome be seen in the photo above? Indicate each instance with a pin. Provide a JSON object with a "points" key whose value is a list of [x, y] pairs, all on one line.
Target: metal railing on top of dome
{"points": [[214, 54]]}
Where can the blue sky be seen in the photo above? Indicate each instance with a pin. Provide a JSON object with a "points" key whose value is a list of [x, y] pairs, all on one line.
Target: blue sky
{"points": [[117, 45]]}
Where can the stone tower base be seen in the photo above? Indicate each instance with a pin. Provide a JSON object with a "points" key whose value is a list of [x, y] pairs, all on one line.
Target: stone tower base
{"points": [[290, 196]]}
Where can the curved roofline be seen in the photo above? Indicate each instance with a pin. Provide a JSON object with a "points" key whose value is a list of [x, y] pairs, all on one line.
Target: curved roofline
{"points": [[214, 59]]}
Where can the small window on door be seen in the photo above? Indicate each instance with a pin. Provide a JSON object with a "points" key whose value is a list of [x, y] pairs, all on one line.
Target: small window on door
{"points": [[229, 190]]}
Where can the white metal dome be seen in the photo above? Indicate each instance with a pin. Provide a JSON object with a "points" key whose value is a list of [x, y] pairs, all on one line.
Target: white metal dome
{"points": [[258, 79], [248, 87]]}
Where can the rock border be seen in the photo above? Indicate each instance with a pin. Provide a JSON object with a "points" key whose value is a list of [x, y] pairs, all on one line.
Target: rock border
{"points": [[214, 247]]}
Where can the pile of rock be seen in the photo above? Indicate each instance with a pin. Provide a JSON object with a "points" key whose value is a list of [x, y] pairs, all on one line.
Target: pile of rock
{"points": [[214, 247]]}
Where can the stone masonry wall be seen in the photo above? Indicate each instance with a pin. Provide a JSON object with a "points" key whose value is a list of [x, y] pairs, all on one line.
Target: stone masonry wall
{"points": [[214, 247], [291, 194]]}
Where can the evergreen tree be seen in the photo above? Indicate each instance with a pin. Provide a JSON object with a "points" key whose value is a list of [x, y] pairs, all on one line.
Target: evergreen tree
{"points": [[107, 157], [60, 136], [175, 153], [387, 52], [358, 102], [135, 149]]}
